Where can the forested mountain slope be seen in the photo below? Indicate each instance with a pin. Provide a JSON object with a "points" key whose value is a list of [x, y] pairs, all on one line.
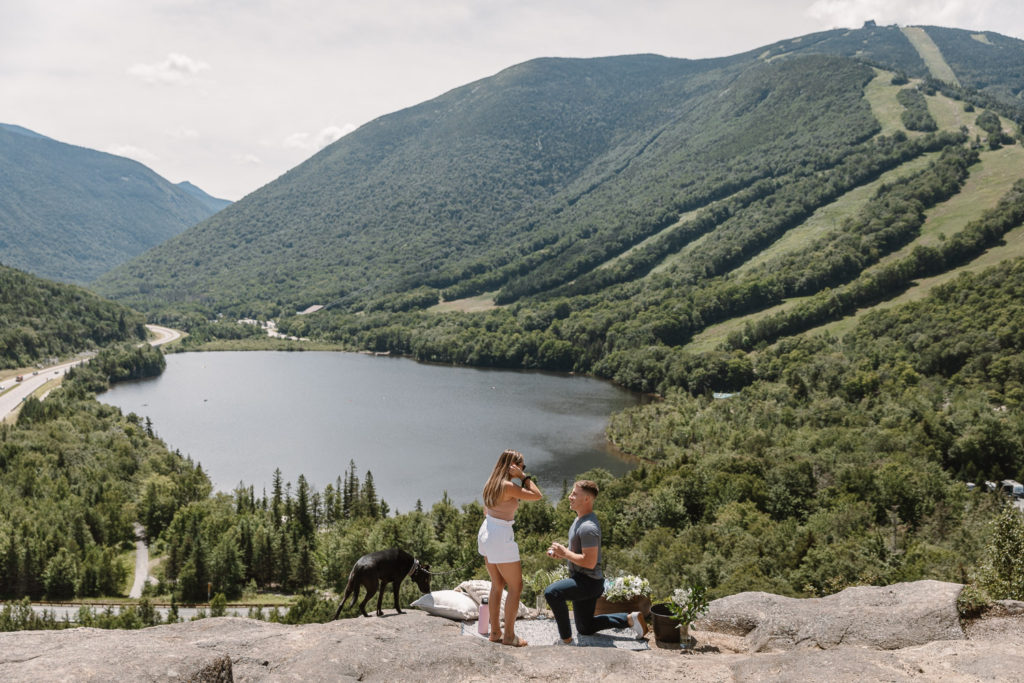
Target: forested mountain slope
{"points": [[525, 180], [626, 205], [435, 193], [71, 214], [40, 319], [74, 477]]}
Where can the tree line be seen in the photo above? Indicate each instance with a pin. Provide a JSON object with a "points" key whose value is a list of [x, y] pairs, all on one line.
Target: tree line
{"points": [[72, 472], [40, 319]]}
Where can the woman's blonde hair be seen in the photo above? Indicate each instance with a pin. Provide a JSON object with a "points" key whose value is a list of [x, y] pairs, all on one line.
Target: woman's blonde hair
{"points": [[499, 475]]}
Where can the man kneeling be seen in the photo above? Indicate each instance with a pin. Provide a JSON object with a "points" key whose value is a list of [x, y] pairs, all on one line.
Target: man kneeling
{"points": [[586, 581]]}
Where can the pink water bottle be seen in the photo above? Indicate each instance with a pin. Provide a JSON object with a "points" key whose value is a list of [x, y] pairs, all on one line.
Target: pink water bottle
{"points": [[483, 623]]}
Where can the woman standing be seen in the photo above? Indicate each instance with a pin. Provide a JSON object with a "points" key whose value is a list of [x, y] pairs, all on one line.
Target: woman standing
{"points": [[497, 544]]}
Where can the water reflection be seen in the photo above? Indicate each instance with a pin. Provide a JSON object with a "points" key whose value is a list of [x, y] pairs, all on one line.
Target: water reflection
{"points": [[421, 429]]}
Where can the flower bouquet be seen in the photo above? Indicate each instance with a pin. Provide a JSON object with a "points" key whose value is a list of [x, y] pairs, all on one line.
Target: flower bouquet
{"points": [[628, 593]]}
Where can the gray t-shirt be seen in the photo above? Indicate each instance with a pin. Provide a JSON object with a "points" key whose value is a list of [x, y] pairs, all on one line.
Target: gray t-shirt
{"points": [[585, 532]]}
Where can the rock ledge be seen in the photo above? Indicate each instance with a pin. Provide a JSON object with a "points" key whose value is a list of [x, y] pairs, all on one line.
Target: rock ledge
{"points": [[903, 632]]}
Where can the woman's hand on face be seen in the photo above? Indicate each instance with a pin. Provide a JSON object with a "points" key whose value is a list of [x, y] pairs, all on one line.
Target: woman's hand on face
{"points": [[515, 471]]}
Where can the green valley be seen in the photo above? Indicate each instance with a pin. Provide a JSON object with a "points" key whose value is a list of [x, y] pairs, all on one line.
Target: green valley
{"points": [[811, 252]]}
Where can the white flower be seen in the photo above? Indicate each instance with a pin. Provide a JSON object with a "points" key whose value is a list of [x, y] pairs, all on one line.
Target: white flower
{"points": [[626, 587]]}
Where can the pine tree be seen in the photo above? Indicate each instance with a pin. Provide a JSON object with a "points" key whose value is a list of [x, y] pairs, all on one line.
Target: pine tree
{"points": [[350, 499], [302, 515], [369, 498], [263, 558], [283, 556], [328, 505], [316, 509], [226, 571], [193, 577], [275, 505], [304, 574]]}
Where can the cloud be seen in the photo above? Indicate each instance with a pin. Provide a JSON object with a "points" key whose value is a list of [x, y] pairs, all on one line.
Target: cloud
{"points": [[332, 134], [853, 13], [319, 140], [139, 154], [297, 141], [248, 159], [176, 69], [182, 133]]}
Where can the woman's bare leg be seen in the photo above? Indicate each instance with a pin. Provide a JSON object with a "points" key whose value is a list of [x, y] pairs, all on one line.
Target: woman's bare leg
{"points": [[494, 601], [512, 574]]}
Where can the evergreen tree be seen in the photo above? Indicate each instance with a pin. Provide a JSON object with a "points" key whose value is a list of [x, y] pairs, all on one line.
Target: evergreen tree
{"points": [[276, 507], [304, 573], [227, 572], [263, 558], [194, 577], [61, 576], [350, 500], [303, 518], [283, 554], [369, 497]]}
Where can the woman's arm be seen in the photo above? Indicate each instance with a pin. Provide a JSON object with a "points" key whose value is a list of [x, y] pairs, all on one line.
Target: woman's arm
{"points": [[528, 492]]}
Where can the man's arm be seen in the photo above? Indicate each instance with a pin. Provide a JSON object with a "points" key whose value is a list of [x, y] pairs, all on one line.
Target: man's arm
{"points": [[590, 540], [587, 559]]}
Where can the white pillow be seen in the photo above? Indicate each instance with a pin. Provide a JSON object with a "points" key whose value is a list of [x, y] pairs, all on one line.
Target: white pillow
{"points": [[478, 589], [450, 604]]}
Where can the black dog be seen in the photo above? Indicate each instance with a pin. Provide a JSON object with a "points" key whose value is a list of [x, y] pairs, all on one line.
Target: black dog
{"points": [[375, 570]]}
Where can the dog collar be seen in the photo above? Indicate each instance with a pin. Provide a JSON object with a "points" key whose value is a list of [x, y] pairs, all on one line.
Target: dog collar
{"points": [[415, 566]]}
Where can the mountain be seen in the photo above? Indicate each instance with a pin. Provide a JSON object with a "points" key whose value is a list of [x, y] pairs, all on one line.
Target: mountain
{"points": [[495, 173], [68, 213], [212, 203], [523, 182], [40, 319]]}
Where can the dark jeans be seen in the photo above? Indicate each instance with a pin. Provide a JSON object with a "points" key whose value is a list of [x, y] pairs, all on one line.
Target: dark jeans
{"points": [[584, 592]]}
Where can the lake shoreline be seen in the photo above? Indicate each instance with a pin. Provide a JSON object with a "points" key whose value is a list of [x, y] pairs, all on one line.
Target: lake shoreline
{"points": [[389, 418], [305, 346]]}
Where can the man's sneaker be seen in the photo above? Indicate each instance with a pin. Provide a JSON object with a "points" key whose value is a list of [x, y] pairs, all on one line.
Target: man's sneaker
{"points": [[639, 624], [559, 641]]}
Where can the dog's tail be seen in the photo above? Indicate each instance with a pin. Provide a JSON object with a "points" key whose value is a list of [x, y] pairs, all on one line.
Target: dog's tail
{"points": [[350, 589]]}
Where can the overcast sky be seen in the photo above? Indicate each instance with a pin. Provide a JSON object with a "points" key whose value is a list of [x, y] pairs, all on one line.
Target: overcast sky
{"points": [[230, 94]]}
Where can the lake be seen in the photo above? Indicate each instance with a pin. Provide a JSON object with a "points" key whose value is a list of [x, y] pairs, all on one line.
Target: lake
{"points": [[421, 429]]}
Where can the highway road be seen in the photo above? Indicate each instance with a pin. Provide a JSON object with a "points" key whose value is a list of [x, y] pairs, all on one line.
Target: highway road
{"points": [[164, 335], [14, 392]]}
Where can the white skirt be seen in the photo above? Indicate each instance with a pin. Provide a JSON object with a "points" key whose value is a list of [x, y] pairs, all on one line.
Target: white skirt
{"points": [[496, 542]]}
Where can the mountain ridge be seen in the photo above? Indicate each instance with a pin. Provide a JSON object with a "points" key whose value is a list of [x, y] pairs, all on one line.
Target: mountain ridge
{"points": [[70, 213], [465, 193]]}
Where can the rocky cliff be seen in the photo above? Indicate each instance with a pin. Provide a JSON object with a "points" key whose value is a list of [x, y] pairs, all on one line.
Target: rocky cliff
{"points": [[903, 632]]}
